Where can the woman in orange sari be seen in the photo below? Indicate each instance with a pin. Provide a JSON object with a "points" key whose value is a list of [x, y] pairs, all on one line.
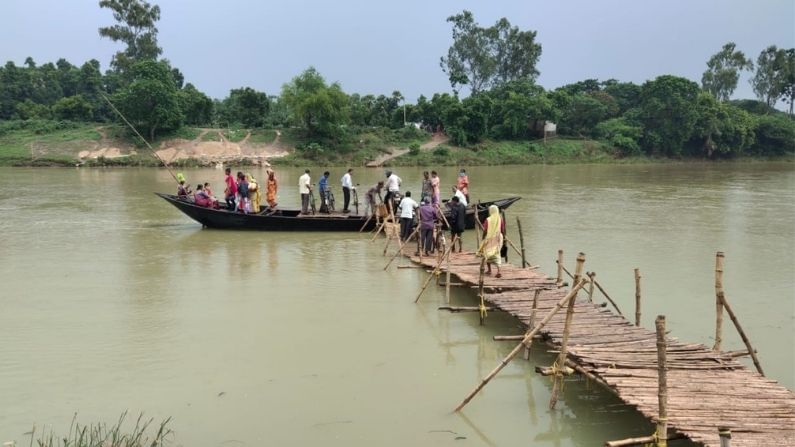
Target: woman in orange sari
{"points": [[272, 188]]}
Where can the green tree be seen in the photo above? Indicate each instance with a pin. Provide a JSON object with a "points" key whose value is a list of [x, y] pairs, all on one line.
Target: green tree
{"points": [[483, 57], [668, 112], [319, 107], [775, 135], [150, 102], [788, 78], [769, 81], [136, 28], [626, 94], [73, 108], [621, 133], [247, 106], [721, 129], [723, 71], [195, 105]]}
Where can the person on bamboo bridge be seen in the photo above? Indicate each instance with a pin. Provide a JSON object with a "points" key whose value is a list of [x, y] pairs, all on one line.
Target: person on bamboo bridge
{"points": [[493, 229], [463, 183], [458, 215], [407, 207]]}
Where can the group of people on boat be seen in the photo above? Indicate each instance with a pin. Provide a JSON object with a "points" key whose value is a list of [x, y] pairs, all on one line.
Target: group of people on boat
{"points": [[242, 193], [324, 189]]}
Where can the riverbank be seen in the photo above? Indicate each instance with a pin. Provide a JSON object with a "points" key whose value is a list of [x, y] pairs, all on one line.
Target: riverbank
{"points": [[49, 143]]}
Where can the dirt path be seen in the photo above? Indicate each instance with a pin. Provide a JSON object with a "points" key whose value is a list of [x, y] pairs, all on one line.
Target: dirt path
{"points": [[394, 151]]}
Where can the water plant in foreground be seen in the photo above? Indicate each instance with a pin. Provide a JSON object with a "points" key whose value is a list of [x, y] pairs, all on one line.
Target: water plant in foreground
{"points": [[103, 435]]}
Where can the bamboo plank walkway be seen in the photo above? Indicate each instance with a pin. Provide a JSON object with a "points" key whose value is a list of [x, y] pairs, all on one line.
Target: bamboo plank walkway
{"points": [[706, 389]]}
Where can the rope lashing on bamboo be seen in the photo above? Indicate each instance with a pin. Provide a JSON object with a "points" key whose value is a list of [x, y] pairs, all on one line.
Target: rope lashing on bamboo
{"points": [[656, 436], [483, 310]]}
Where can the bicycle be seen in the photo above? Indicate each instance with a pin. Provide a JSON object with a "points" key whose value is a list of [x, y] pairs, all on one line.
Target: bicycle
{"points": [[329, 199]]}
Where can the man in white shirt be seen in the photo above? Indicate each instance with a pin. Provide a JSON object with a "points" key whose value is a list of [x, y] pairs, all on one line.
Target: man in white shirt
{"points": [[461, 197], [347, 186], [305, 187], [407, 207], [392, 187]]}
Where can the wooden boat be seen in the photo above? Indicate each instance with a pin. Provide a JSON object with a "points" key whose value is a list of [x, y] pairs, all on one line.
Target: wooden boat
{"points": [[292, 220]]}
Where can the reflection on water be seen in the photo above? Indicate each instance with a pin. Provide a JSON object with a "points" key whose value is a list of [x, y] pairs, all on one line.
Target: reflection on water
{"points": [[113, 301]]}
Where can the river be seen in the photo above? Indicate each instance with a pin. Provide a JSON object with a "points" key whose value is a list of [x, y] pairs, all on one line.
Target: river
{"points": [[112, 300]]}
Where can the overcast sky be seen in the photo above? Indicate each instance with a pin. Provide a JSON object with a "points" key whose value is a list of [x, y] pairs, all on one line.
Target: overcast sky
{"points": [[376, 47]]}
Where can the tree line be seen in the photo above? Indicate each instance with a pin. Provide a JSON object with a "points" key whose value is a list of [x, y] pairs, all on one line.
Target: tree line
{"points": [[667, 116]]}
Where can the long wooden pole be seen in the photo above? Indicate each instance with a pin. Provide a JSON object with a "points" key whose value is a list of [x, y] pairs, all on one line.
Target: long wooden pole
{"points": [[400, 250], [536, 293], [590, 285], [718, 301], [662, 383], [557, 383], [521, 241], [168, 168], [447, 279], [637, 297], [480, 288], [559, 280], [529, 336], [436, 269], [740, 330]]}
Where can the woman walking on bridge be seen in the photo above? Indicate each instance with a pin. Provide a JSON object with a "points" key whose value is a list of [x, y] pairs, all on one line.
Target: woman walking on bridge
{"points": [[493, 229]]}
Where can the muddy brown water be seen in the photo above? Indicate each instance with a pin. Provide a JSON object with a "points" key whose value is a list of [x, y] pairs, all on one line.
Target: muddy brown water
{"points": [[112, 300]]}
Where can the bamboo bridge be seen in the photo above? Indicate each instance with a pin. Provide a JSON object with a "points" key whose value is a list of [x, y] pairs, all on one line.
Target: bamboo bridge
{"points": [[688, 389]]}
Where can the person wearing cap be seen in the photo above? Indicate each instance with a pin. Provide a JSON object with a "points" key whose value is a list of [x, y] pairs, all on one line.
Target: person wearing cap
{"points": [[347, 186], [305, 187]]}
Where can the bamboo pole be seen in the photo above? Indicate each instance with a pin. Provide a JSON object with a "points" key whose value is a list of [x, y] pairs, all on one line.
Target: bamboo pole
{"points": [[521, 241], [637, 297], [725, 435], [662, 383], [369, 218], [599, 286], [480, 289], [436, 269], [447, 279], [641, 440], [718, 301], [590, 285], [529, 336], [740, 330], [400, 250], [532, 324], [560, 267], [557, 381], [462, 308]]}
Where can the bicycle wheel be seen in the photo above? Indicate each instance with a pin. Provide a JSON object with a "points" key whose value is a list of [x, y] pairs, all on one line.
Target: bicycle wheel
{"points": [[330, 201]]}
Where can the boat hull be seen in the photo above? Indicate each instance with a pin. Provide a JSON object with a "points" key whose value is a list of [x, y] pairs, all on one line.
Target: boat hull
{"points": [[289, 220]]}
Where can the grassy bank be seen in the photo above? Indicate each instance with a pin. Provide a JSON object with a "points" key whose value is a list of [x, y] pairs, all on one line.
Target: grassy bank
{"points": [[50, 143]]}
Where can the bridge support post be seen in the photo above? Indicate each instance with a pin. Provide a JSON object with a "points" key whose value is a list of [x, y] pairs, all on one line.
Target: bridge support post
{"points": [[637, 297], [718, 300], [662, 383], [725, 436], [532, 322], [560, 364]]}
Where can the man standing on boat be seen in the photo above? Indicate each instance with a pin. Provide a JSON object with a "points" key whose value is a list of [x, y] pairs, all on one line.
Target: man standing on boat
{"points": [[372, 193], [323, 188], [392, 188], [347, 186], [304, 187]]}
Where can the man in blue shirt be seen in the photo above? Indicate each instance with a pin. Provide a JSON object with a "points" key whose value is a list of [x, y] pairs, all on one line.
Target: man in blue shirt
{"points": [[323, 188]]}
